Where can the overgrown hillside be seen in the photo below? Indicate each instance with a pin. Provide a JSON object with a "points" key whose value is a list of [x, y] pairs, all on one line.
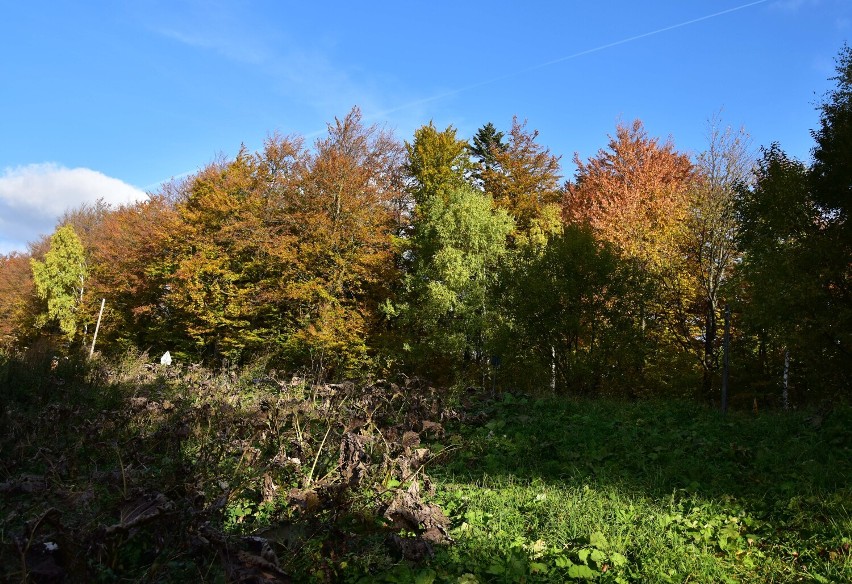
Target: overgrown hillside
{"points": [[138, 472], [641, 272], [375, 360]]}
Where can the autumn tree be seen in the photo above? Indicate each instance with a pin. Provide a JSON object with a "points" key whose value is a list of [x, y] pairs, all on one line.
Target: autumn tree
{"points": [[60, 280], [18, 300], [635, 195], [523, 177], [709, 240], [231, 268], [290, 251], [128, 248], [86, 220], [212, 254], [347, 241], [457, 240]]}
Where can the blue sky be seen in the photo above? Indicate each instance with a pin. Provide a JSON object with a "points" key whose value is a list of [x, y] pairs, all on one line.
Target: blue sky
{"points": [[110, 98]]}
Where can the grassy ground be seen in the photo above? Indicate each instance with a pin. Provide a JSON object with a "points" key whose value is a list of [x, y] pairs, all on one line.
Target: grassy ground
{"points": [[555, 489], [137, 473]]}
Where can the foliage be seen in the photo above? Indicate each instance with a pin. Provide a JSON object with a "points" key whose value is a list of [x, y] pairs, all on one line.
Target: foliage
{"points": [[635, 196], [436, 162], [789, 300], [572, 312], [523, 177], [60, 278], [831, 186], [128, 470], [284, 251], [709, 242], [775, 219], [18, 300], [126, 250], [483, 147], [457, 239], [793, 284], [348, 222], [86, 220], [358, 255], [832, 172]]}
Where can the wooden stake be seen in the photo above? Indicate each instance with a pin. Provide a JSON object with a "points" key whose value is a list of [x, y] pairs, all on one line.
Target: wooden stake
{"points": [[97, 326]]}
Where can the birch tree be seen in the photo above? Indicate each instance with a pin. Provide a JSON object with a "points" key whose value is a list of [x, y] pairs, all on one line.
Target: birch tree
{"points": [[710, 237]]}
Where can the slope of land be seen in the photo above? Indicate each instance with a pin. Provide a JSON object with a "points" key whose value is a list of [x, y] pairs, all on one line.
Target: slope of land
{"points": [[134, 472]]}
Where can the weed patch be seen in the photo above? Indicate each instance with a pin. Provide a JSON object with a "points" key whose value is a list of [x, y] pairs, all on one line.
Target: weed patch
{"points": [[140, 472]]}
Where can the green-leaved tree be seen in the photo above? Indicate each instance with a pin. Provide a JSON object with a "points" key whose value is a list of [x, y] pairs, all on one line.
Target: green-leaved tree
{"points": [[457, 240], [60, 279]]}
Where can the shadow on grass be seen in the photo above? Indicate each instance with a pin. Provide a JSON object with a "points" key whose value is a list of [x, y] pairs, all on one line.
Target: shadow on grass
{"points": [[657, 448], [91, 485], [128, 477], [562, 489]]}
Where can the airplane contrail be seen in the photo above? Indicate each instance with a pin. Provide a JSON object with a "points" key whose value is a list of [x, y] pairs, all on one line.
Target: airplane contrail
{"points": [[599, 48], [623, 41]]}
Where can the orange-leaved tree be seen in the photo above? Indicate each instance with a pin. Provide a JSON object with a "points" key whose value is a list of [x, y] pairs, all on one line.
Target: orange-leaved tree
{"points": [[289, 250], [635, 195], [18, 301], [126, 251], [350, 211]]}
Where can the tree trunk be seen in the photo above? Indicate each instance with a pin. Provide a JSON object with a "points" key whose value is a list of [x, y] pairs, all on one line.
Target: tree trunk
{"points": [[553, 368], [726, 362], [710, 334]]}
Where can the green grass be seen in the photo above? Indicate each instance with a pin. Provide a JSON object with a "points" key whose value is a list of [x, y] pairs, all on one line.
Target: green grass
{"points": [[559, 489], [549, 489]]}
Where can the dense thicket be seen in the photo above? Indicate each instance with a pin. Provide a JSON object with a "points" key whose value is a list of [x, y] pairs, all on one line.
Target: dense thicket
{"points": [[472, 263]]}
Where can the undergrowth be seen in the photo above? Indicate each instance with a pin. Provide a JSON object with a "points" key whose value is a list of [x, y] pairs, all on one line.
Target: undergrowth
{"points": [[556, 489], [137, 472]]}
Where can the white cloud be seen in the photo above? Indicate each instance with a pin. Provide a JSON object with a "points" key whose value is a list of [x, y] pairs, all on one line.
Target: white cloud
{"points": [[32, 198]]}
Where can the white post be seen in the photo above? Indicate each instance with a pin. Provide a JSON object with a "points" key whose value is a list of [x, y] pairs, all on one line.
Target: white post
{"points": [[97, 326], [784, 394]]}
